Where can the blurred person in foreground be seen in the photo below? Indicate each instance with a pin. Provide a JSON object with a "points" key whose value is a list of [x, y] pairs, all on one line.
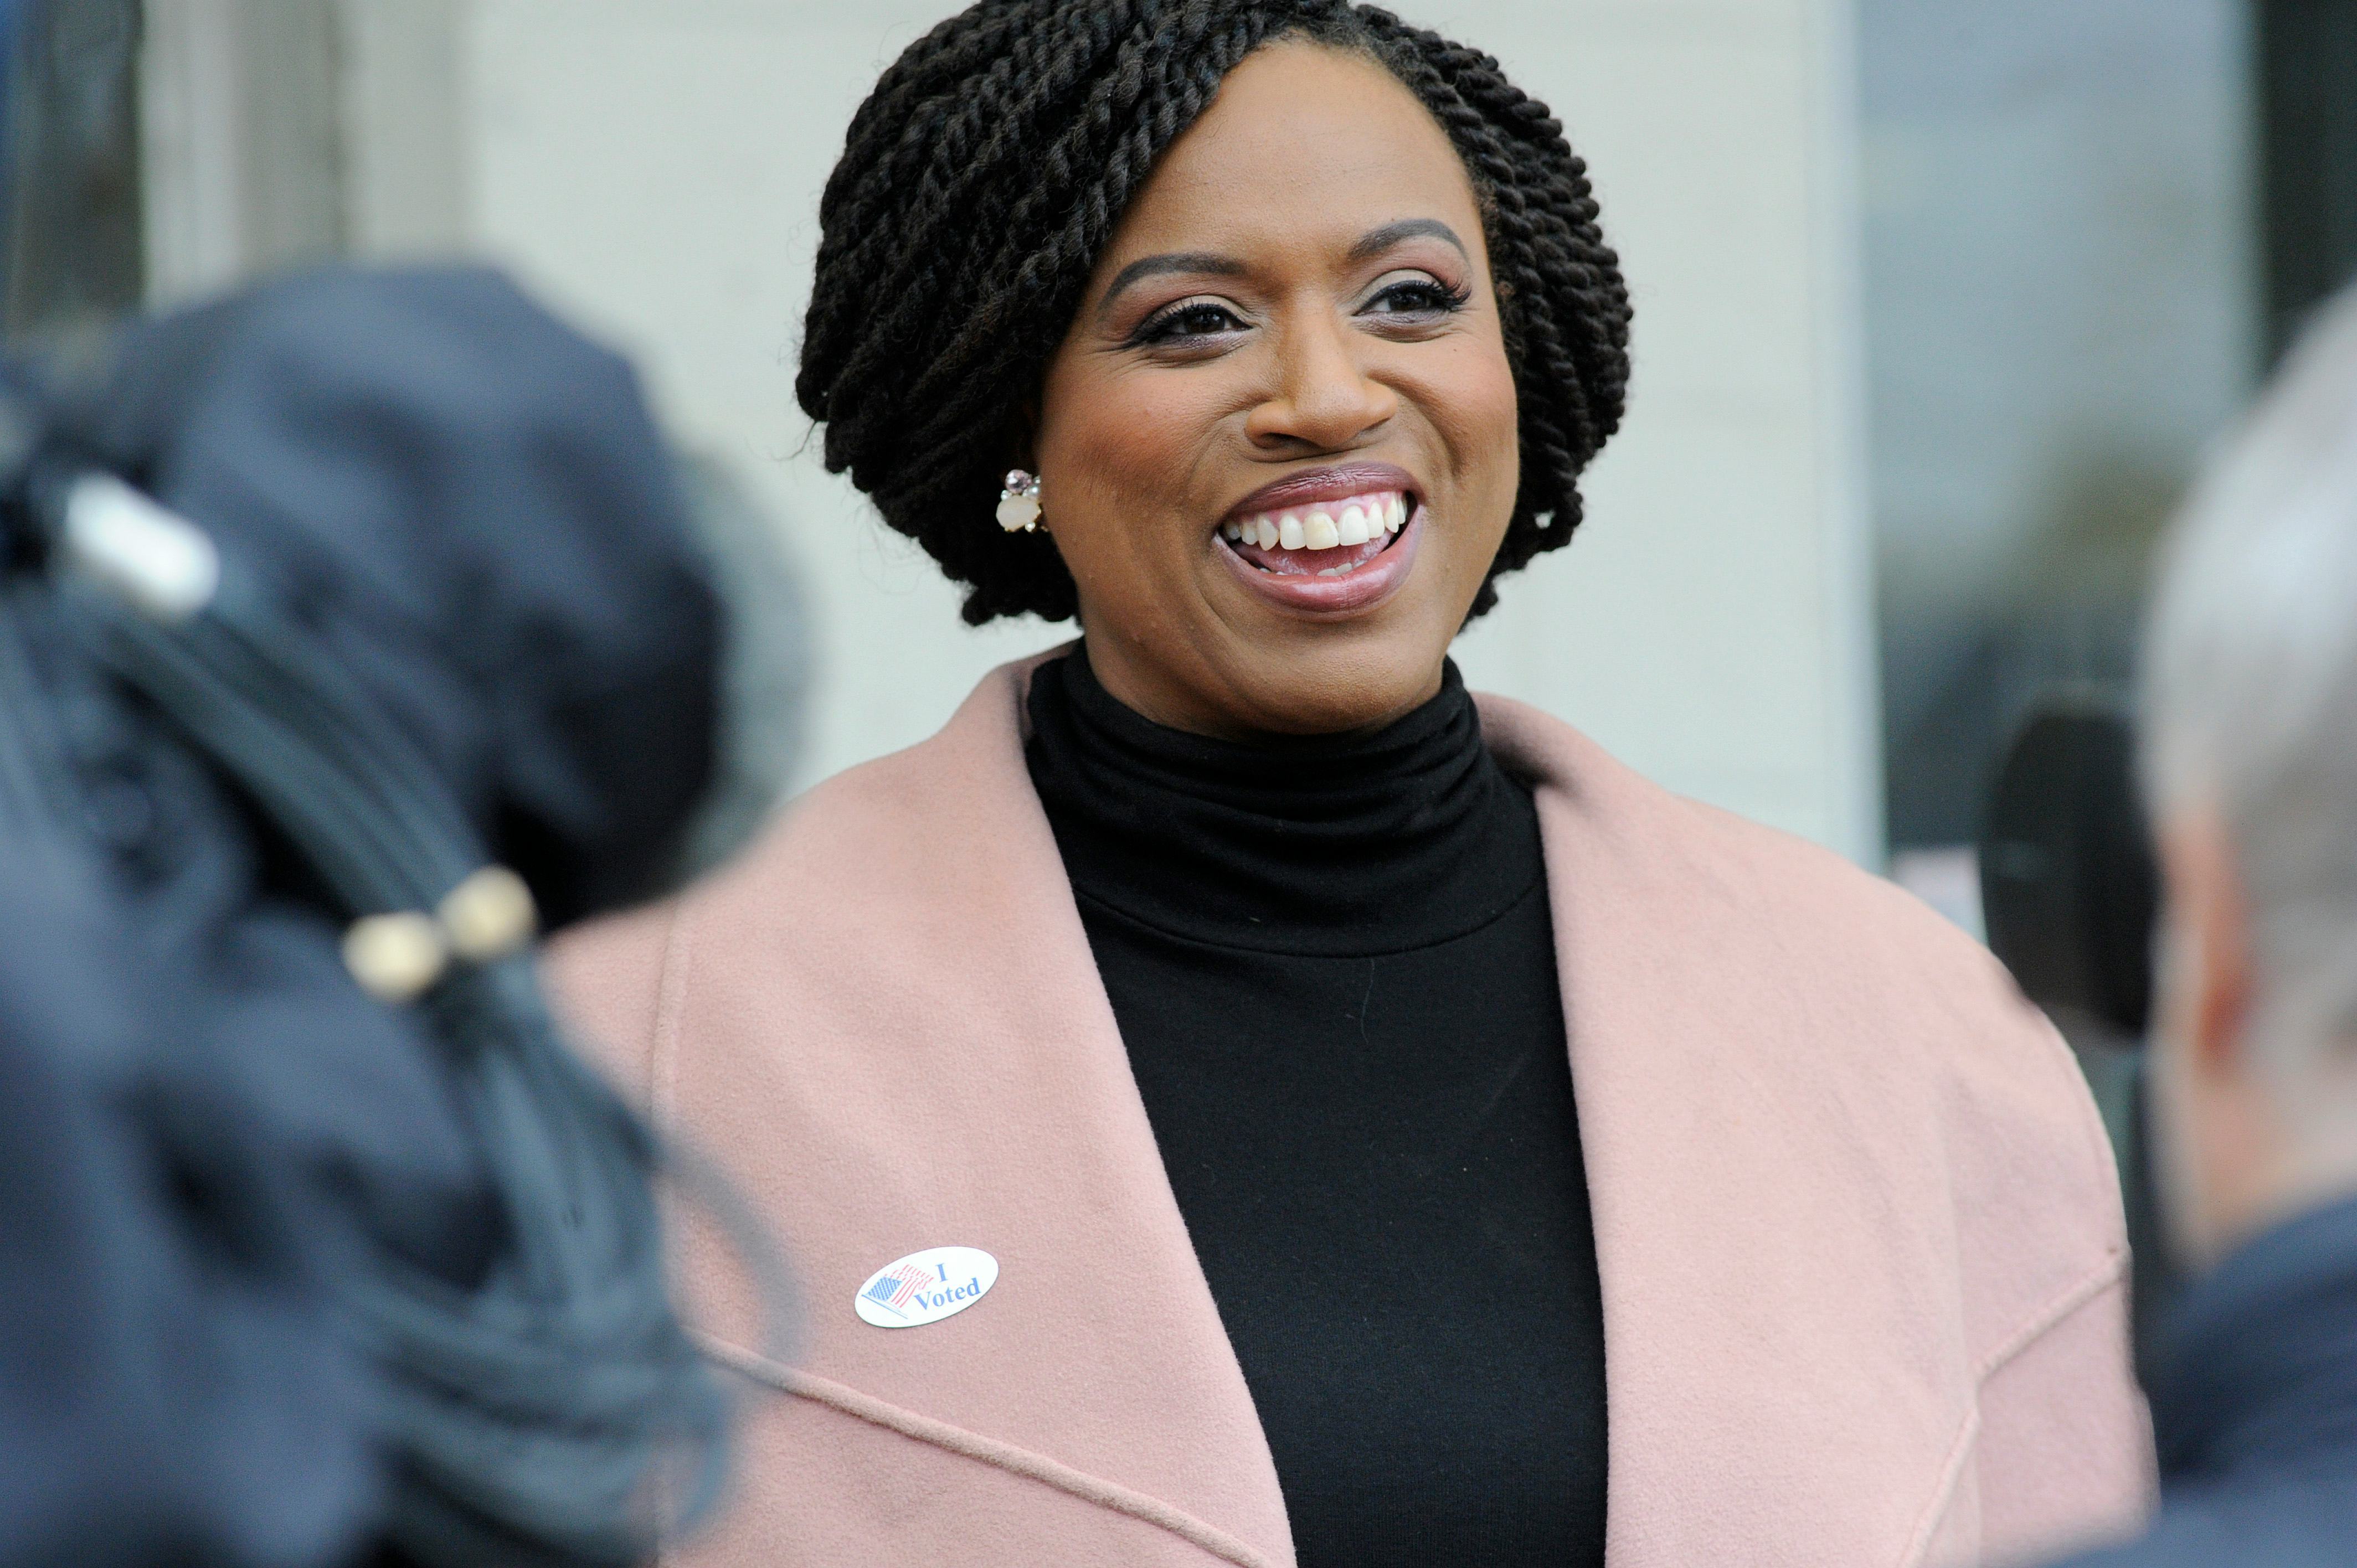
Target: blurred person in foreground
{"points": [[2250, 764], [351, 629]]}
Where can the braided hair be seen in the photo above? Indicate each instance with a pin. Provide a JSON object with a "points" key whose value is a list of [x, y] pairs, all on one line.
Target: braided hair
{"points": [[982, 178]]}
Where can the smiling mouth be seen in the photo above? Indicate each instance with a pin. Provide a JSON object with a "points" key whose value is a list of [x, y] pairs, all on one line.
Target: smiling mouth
{"points": [[1321, 539]]}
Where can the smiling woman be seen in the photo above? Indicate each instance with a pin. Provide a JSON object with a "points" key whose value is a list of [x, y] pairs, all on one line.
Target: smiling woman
{"points": [[1395, 1133]]}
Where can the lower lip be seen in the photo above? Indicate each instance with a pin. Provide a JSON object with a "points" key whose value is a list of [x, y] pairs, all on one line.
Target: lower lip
{"points": [[1353, 591]]}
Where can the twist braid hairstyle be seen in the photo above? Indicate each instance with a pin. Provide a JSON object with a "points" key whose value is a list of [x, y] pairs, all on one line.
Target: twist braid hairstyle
{"points": [[982, 178]]}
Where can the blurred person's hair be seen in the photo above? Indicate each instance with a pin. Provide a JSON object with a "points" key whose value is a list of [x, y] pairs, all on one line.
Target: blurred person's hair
{"points": [[2251, 692]]}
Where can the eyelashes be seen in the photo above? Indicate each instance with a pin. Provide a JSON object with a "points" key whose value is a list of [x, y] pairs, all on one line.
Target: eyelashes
{"points": [[1190, 323], [1421, 296]]}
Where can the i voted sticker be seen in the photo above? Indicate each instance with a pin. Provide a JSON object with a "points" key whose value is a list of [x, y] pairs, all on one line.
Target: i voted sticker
{"points": [[925, 1287]]}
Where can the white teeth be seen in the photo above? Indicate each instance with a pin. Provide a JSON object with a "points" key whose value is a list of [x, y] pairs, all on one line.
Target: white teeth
{"points": [[1359, 521]]}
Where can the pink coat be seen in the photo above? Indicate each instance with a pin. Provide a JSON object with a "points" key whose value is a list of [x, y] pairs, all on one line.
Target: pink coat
{"points": [[1856, 1222]]}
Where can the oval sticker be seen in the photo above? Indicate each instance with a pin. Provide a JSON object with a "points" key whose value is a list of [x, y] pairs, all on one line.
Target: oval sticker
{"points": [[925, 1287]]}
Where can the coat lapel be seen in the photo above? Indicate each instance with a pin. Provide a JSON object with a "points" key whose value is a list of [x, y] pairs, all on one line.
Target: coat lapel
{"points": [[899, 982], [1785, 1377]]}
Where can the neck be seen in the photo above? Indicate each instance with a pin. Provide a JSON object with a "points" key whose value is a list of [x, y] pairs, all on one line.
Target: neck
{"points": [[1205, 700], [2269, 1158], [2313, 1173]]}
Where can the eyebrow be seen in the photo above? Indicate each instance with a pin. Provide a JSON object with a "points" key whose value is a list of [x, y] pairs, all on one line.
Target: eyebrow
{"points": [[1174, 261], [1373, 242]]}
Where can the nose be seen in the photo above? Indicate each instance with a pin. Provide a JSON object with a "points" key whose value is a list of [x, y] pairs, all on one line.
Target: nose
{"points": [[1324, 399]]}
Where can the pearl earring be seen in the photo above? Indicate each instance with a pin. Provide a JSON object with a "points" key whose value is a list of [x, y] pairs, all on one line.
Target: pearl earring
{"points": [[1019, 504]]}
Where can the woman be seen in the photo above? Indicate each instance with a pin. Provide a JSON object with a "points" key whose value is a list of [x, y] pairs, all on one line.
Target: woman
{"points": [[1385, 1130]]}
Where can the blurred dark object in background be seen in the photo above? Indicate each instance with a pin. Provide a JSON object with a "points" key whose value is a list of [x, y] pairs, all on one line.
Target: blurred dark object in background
{"points": [[74, 233], [342, 623], [2307, 79], [2071, 893], [2068, 885]]}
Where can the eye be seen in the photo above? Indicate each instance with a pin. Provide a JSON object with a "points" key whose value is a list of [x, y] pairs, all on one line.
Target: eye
{"points": [[1188, 321], [1421, 297]]}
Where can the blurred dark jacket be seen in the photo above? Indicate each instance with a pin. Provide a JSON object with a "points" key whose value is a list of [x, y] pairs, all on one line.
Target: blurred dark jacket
{"points": [[463, 512], [170, 1389], [2255, 1407]]}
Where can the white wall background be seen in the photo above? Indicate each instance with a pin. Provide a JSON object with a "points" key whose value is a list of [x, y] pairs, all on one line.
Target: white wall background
{"points": [[652, 167]]}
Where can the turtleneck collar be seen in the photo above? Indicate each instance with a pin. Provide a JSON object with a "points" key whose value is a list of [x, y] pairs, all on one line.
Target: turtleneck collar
{"points": [[2259, 1365], [1336, 846]]}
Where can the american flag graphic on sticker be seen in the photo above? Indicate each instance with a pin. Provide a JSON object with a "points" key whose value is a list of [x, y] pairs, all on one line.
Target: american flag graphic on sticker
{"points": [[895, 1286]]}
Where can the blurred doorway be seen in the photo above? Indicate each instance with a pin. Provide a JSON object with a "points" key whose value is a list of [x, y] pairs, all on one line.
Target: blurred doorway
{"points": [[2062, 308], [2090, 226]]}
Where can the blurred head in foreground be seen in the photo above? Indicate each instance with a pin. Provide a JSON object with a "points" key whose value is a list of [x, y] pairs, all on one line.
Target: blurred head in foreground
{"points": [[2251, 766], [345, 623]]}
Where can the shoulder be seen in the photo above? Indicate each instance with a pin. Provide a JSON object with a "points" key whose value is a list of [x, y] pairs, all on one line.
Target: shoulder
{"points": [[887, 845], [1837, 986], [1826, 917]]}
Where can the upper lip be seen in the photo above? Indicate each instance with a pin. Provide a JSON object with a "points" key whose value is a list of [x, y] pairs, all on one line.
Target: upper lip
{"points": [[1337, 482]]}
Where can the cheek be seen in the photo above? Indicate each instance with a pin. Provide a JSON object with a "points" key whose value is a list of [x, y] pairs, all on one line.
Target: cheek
{"points": [[1492, 415], [1489, 382], [1472, 404], [1115, 451]]}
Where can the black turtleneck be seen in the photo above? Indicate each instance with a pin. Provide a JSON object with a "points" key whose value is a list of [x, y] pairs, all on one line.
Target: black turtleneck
{"points": [[1332, 961]]}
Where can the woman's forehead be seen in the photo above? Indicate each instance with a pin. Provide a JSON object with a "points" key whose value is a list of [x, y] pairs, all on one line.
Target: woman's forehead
{"points": [[1305, 146]]}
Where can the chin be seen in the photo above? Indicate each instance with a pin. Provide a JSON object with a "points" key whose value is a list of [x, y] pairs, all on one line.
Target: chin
{"points": [[1337, 693]]}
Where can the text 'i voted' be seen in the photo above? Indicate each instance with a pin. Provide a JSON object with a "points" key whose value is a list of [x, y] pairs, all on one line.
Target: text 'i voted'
{"points": [[925, 1287]]}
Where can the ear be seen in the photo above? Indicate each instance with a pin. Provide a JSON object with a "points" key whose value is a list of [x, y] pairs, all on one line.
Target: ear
{"points": [[2211, 911]]}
